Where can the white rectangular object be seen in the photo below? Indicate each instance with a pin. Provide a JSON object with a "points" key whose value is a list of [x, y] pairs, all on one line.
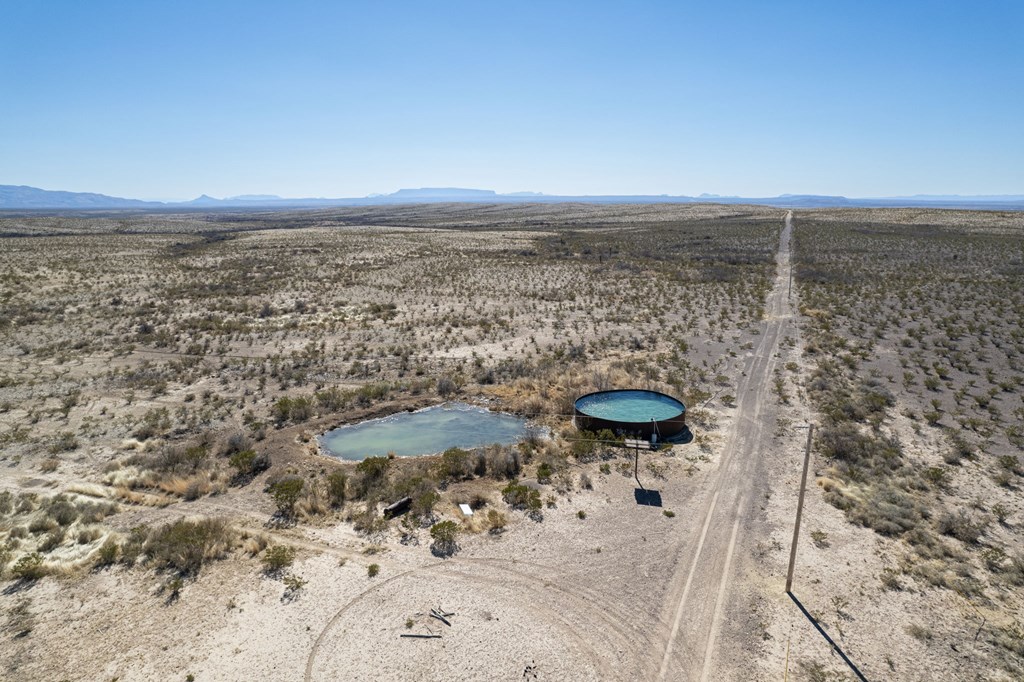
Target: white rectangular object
{"points": [[466, 510]]}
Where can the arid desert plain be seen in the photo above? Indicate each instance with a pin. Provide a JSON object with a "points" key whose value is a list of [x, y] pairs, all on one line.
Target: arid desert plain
{"points": [[167, 512]]}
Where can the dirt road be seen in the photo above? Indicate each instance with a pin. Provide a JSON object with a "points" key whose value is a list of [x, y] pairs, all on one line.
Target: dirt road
{"points": [[700, 586]]}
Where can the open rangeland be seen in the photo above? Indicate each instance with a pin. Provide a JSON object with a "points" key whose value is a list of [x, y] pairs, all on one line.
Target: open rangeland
{"points": [[165, 512]]}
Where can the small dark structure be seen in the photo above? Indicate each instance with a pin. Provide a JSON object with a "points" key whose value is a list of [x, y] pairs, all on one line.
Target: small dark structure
{"points": [[630, 411], [397, 508]]}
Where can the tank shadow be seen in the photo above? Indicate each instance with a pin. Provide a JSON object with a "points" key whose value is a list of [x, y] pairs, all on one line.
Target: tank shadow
{"points": [[647, 498], [682, 438]]}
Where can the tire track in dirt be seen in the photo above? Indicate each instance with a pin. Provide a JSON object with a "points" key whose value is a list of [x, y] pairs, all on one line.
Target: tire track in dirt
{"points": [[697, 596], [544, 598]]}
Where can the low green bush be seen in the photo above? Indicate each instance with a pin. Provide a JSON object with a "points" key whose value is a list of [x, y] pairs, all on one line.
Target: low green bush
{"points": [[521, 497], [277, 558], [184, 545]]}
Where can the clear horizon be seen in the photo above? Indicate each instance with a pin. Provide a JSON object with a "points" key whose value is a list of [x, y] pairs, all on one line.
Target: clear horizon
{"points": [[327, 100]]}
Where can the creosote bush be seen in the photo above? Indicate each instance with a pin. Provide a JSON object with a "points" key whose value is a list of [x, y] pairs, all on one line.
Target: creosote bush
{"points": [[277, 558], [444, 534], [184, 546], [286, 494], [29, 567], [521, 497], [337, 487]]}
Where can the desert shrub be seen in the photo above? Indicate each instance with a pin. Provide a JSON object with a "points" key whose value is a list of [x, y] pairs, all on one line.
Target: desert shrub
{"points": [[961, 526], [584, 445], [422, 506], [94, 512], [277, 558], [65, 441], [479, 463], [292, 409], [503, 462], [920, 632], [248, 463], [456, 464], [242, 461], [237, 442], [1015, 434], [154, 422], [373, 570], [183, 546], [177, 459], [497, 521], [42, 524], [883, 508], [820, 539], [368, 522], [52, 541], [62, 510], [891, 580], [49, 465], [107, 554], [846, 443], [332, 399], [521, 497], [293, 585], [937, 476], [29, 567], [544, 473], [444, 534], [958, 449], [446, 386], [993, 558], [1010, 463], [337, 485], [286, 494], [26, 503], [196, 489], [133, 545], [372, 475]]}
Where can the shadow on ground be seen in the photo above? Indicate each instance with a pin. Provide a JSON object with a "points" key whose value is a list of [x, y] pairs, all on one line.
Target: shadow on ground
{"points": [[648, 498], [835, 647]]}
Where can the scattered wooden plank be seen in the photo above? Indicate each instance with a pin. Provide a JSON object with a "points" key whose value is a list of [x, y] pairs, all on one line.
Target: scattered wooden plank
{"points": [[415, 636]]}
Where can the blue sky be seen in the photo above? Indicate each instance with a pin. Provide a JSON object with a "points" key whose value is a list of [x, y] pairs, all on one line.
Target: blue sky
{"points": [[170, 100]]}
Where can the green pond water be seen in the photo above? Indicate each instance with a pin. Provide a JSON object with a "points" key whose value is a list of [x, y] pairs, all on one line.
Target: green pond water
{"points": [[425, 432]]}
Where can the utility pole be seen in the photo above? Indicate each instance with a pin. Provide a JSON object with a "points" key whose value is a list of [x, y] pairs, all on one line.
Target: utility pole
{"points": [[637, 446], [799, 510]]}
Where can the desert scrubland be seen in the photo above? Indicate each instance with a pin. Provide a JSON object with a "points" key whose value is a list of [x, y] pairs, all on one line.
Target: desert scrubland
{"points": [[165, 512]]}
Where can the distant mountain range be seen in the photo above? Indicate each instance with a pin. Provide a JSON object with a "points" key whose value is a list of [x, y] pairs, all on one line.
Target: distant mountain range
{"points": [[25, 198]]}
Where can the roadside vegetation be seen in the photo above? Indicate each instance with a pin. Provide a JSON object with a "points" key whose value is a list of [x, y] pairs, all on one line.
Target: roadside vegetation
{"points": [[914, 334]]}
